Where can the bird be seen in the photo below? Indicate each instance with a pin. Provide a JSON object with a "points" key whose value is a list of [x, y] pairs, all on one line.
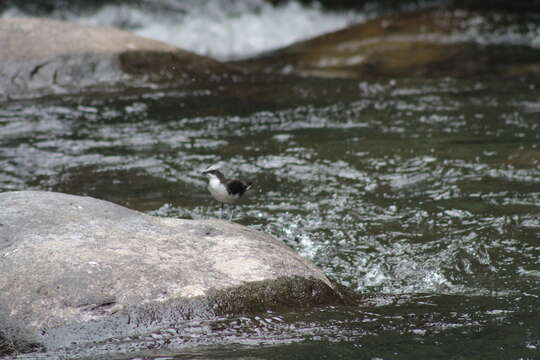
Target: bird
{"points": [[226, 191]]}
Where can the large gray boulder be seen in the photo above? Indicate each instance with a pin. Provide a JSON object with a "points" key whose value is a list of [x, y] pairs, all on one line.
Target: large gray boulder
{"points": [[42, 56], [75, 270]]}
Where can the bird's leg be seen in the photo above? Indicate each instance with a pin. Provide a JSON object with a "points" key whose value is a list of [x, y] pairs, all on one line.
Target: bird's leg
{"points": [[221, 212], [230, 212]]}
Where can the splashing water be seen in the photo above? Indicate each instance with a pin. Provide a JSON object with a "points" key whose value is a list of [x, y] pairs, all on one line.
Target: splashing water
{"points": [[232, 30]]}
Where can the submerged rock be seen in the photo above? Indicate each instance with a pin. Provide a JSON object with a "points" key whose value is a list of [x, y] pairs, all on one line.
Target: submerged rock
{"points": [[41, 56], [427, 43], [76, 270]]}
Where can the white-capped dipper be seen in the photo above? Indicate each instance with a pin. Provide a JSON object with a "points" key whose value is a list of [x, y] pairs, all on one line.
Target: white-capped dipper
{"points": [[226, 191]]}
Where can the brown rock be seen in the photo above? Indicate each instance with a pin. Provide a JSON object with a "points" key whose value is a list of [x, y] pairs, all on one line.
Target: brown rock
{"points": [[416, 44]]}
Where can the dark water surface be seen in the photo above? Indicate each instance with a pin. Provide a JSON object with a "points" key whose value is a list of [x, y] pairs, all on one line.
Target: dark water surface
{"points": [[424, 195]]}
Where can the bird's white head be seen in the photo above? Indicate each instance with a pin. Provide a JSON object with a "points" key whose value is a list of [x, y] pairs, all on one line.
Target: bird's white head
{"points": [[213, 173]]}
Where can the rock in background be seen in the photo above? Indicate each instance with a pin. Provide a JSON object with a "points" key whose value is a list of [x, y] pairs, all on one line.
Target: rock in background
{"points": [[41, 57], [430, 43], [76, 270]]}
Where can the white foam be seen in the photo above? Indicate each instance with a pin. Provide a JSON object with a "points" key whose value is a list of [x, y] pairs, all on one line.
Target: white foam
{"points": [[244, 29], [220, 29]]}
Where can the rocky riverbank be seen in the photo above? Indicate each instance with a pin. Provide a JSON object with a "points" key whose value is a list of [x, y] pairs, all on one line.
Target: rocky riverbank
{"points": [[43, 57]]}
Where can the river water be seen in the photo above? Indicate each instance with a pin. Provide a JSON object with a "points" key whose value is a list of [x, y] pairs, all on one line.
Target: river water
{"points": [[422, 195]]}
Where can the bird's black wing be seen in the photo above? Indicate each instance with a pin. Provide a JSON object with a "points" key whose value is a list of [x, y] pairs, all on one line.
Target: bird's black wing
{"points": [[237, 187]]}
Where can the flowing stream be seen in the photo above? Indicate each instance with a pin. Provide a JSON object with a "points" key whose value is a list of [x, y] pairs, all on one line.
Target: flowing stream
{"points": [[423, 195]]}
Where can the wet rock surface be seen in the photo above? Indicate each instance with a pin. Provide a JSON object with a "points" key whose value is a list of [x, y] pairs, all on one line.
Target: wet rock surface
{"points": [[41, 56], [430, 43], [77, 270]]}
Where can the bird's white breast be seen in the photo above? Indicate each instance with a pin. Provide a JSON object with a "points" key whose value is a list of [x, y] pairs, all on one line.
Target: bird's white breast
{"points": [[219, 192]]}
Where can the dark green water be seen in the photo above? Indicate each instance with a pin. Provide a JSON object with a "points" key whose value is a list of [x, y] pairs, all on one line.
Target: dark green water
{"points": [[424, 195]]}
